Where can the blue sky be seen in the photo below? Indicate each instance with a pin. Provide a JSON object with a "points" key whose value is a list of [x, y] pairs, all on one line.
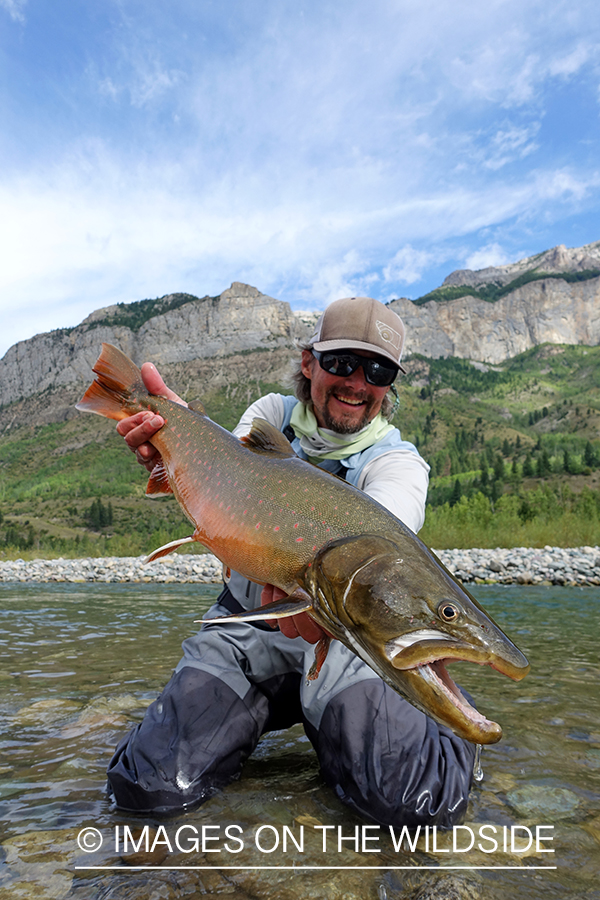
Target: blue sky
{"points": [[312, 149]]}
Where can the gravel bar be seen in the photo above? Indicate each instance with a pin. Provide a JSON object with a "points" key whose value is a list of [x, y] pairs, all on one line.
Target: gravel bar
{"points": [[523, 565]]}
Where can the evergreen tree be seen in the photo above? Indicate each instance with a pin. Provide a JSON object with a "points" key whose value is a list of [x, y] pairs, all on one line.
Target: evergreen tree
{"points": [[528, 467], [499, 469], [589, 458], [456, 493]]}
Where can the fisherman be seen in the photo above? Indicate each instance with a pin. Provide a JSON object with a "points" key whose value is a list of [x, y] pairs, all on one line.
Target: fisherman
{"points": [[384, 758]]}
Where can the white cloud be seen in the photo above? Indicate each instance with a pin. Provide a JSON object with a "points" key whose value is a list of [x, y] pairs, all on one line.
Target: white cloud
{"points": [[490, 255], [15, 9], [407, 265]]}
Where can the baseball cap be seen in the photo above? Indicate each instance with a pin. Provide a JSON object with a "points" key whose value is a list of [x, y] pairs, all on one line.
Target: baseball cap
{"points": [[360, 323]]}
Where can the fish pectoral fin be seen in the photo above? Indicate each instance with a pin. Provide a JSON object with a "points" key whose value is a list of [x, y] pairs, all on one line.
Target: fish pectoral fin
{"points": [[321, 651], [158, 483], [226, 574], [168, 548], [197, 406], [265, 438], [297, 602]]}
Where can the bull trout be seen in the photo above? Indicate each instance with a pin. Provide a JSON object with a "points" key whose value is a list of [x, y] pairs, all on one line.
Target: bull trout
{"points": [[340, 556]]}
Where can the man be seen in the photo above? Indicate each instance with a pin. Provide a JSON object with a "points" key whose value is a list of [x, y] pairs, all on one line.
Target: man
{"points": [[385, 759]]}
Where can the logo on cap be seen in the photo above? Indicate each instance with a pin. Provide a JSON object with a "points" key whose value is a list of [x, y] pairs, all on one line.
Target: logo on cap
{"points": [[389, 334]]}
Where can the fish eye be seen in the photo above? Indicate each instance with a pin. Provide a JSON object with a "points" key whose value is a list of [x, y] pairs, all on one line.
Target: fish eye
{"points": [[448, 611]]}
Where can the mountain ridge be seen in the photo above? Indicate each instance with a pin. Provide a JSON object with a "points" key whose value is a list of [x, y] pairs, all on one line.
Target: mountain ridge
{"points": [[179, 330]]}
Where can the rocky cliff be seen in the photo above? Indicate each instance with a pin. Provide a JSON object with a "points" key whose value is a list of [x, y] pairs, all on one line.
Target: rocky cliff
{"points": [[506, 310], [180, 329], [207, 340]]}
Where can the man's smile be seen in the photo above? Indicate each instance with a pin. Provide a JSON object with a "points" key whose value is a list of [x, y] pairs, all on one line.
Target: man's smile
{"points": [[351, 401]]}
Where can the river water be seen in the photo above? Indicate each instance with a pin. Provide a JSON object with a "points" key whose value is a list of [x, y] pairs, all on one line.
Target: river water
{"points": [[79, 664]]}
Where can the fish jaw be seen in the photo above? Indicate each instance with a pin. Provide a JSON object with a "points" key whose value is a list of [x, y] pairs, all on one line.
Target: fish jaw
{"points": [[430, 688], [420, 648]]}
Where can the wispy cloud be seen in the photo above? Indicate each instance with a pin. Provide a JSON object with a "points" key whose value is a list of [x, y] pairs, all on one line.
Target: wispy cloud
{"points": [[313, 151], [15, 9]]}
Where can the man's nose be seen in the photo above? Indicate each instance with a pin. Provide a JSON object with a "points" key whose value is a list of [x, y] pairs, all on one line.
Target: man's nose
{"points": [[356, 379]]}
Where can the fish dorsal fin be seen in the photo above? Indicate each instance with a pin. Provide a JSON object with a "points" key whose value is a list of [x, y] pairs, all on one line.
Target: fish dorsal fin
{"points": [[265, 438], [158, 483], [197, 406]]}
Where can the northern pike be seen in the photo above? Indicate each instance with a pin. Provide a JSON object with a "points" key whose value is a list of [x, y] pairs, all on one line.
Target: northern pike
{"points": [[340, 556]]}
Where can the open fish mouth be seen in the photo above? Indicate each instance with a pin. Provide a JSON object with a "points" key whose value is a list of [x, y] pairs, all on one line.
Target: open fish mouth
{"points": [[423, 655], [437, 677]]}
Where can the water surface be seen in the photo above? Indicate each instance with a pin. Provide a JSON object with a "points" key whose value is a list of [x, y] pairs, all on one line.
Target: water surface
{"points": [[79, 664]]}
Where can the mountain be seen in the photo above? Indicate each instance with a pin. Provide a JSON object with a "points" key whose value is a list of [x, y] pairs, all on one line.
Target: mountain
{"points": [[495, 313], [490, 411], [192, 340], [487, 316]]}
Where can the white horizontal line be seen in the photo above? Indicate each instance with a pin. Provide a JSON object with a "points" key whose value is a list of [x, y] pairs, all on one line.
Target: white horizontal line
{"points": [[124, 867]]}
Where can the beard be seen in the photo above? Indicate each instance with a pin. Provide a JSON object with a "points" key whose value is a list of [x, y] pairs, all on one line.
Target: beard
{"points": [[343, 423]]}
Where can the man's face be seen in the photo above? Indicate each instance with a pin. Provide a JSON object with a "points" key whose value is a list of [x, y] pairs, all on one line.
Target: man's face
{"points": [[344, 405]]}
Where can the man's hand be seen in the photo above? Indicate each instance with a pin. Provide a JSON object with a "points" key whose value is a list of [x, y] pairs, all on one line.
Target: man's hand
{"points": [[138, 429], [293, 626]]}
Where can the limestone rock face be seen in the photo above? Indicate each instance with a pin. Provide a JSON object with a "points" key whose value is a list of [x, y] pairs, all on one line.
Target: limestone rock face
{"points": [[184, 333], [241, 318], [550, 310]]}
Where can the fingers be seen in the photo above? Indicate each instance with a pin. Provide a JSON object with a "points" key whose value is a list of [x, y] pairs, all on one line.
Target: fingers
{"points": [[137, 430], [301, 626], [155, 384], [293, 626]]}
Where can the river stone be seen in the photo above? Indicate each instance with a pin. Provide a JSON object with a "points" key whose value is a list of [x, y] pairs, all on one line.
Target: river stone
{"points": [[541, 801], [38, 863], [45, 712]]}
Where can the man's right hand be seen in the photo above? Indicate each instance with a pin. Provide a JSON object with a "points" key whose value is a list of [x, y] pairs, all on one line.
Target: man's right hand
{"points": [[138, 429]]}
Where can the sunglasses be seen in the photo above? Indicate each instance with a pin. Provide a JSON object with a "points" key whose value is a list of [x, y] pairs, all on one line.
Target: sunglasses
{"points": [[343, 363]]}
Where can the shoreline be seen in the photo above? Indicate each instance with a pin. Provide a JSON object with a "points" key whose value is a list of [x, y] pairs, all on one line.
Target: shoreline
{"points": [[576, 566]]}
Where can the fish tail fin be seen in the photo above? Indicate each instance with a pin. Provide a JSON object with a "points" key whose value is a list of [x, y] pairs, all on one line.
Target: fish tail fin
{"points": [[111, 394]]}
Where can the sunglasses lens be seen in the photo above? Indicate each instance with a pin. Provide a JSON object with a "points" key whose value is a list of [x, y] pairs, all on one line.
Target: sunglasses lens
{"points": [[344, 364], [341, 364], [378, 374]]}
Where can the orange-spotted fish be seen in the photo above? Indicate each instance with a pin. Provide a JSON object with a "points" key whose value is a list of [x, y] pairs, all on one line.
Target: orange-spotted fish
{"points": [[339, 555]]}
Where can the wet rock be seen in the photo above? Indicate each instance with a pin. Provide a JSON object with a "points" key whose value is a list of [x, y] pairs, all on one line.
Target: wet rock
{"points": [[45, 712], [545, 802], [38, 864], [448, 887]]}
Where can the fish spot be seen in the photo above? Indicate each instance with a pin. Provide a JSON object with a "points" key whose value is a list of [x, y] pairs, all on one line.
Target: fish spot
{"points": [[276, 528], [257, 526], [299, 540], [296, 524]]}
